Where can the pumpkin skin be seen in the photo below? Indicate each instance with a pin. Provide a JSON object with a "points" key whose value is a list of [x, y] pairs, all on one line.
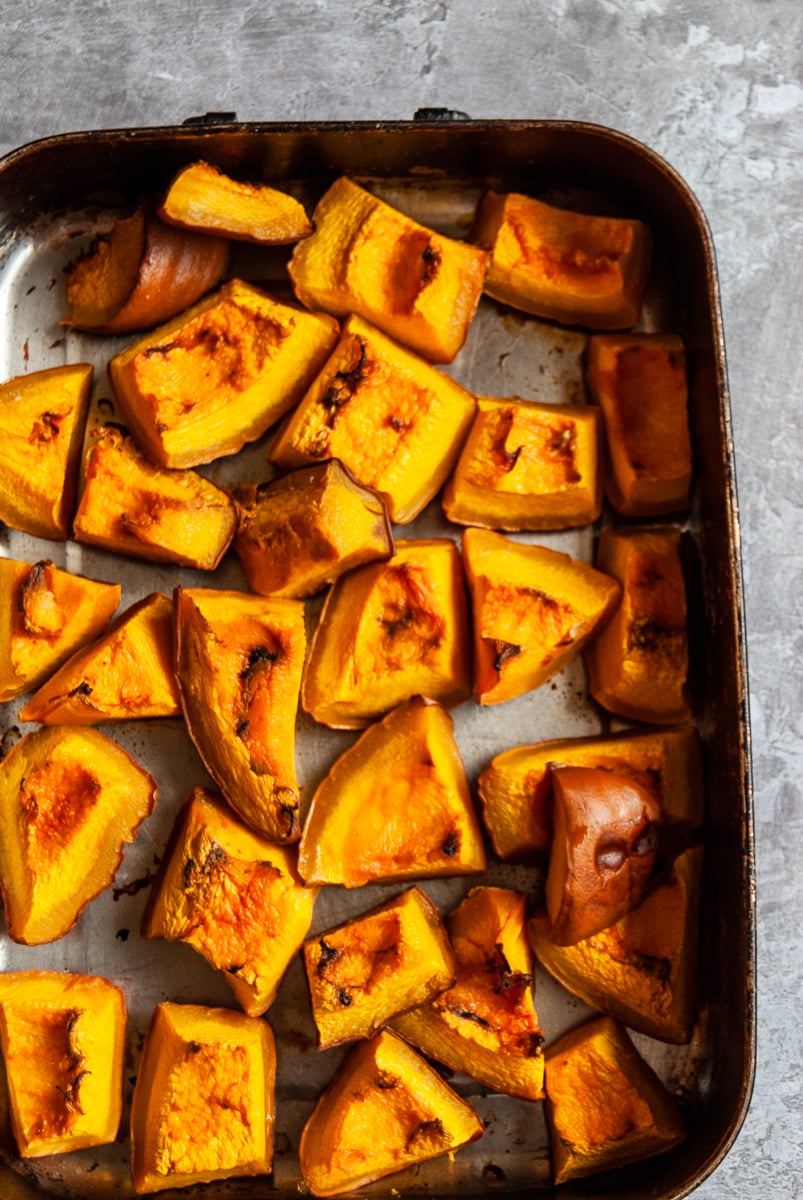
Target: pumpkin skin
{"points": [[605, 1106], [62, 1038], [202, 197], [386, 1109], [203, 1104]]}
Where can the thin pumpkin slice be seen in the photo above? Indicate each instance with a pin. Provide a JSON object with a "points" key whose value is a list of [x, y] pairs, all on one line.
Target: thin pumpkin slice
{"points": [[395, 805], [204, 198], [125, 674], [386, 1109]]}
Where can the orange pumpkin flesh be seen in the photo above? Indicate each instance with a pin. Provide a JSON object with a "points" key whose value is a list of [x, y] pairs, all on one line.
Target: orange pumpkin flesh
{"points": [[203, 198]]}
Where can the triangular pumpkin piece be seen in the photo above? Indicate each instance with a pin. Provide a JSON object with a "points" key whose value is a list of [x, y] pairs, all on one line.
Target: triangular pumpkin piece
{"points": [[125, 674], [395, 805], [45, 615], [534, 611], [41, 429], [386, 1109]]}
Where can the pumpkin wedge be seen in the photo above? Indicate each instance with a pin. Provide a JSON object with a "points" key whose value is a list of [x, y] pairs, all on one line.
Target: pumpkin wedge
{"points": [[62, 1038], [362, 973], [125, 674], [233, 896], [45, 615], [70, 800], [204, 198], [386, 1109], [42, 418], [239, 660], [395, 805], [485, 1024], [204, 1100], [534, 611]]}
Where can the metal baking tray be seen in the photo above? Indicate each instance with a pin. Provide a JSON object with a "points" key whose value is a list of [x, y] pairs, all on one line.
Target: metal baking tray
{"points": [[54, 195]]}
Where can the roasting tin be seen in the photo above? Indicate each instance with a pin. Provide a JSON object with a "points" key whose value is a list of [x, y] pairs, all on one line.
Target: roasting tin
{"points": [[54, 195]]}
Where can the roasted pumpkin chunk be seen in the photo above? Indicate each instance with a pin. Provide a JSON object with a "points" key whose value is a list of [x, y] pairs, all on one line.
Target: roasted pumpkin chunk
{"points": [[62, 1038], [485, 1025], [527, 466], [384, 962], [125, 674], [390, 631], [395, 421], [131, 507], [516, 786], [639, 382], [303, 531], [567, 266], [366, 257], [239, 660], [233, 896], [605, 1105], [643, 968], [45, 615], [395, 805], [638, 668], [202, 197], [70, 800], [140, 273], [534, 611], [203, 1104], [386, 1109], [218, 375], [42, 419]]}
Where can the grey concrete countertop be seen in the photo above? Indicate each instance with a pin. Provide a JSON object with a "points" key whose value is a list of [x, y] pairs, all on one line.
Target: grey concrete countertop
{"points": [[716, 89]]}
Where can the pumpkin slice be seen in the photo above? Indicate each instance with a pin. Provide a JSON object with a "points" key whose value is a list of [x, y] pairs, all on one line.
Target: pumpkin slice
{"points": [[384, 962], [42, 419], [126, 674], [605, 1106], [131, 507], [534, 611], [395, 805], [387, 1109], [239, 660], [390, 631], [62, 1038], [218, 375], [70, 800], [204, 198], [394, 420], [365, 257], [485, 1025], [203, 1104], [45, 615], [231, 895]]}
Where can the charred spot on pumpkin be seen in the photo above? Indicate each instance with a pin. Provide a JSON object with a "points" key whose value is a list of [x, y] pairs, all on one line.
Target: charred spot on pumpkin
{"points": [[163, 349], [503, 651], [242, 729], [193, 1048], [398, 424], [235, 968], [344, 998], [46, 428], [503, 458], [452, 844], [260, 658], [82, 689], [431, 1130], [386, 1082], [648, 635], [466, 1014], [329, 954], [187, 873], [432, 260], [345, 384]]}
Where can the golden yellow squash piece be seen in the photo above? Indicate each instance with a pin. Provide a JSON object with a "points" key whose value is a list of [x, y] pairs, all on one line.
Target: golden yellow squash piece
{"points": [[566, 266], [239, 660], [218, 375], [485, 1025], [390, 631], [42, 419], [70, 800], [534, 610], [62, 1038], [45, 615], [202, 197], [366, 257], [605, 1105], [527, 466], [395, 805], [387, 1109], [231, 895], [203, 1104], [361, 974], [131, 507], [394, 420]]}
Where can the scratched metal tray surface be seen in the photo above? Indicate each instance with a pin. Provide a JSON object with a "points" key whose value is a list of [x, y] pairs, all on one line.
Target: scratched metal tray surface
{"points": [[54, 196]]}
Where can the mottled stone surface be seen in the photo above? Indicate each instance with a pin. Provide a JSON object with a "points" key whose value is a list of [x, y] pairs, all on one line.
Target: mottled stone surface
{"points": [[715, 88]]}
